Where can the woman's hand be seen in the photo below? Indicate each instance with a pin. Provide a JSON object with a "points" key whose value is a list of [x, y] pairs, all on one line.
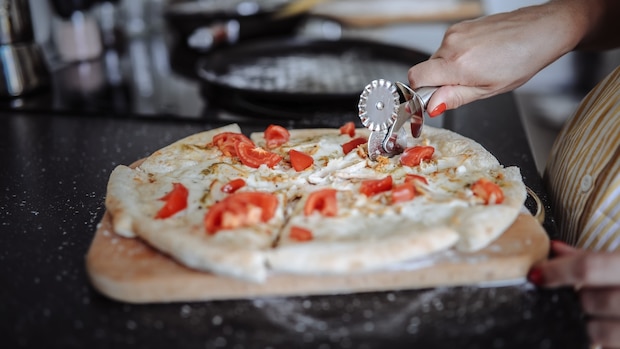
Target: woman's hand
{"points": [[496, 54], [596, 276]]}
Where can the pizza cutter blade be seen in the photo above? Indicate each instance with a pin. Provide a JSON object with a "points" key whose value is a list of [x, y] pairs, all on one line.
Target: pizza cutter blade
{"points": [[385, 107]]}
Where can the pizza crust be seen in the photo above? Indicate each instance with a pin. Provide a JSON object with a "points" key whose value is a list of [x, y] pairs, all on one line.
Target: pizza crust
{"points": [[240, 256]]}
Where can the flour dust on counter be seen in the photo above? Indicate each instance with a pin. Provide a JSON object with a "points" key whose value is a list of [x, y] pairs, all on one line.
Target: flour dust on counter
{"points": [[374, 320]]}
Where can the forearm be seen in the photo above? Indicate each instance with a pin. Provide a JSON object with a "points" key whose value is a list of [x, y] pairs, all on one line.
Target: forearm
{"points": [[498, 53], [595, 23]]}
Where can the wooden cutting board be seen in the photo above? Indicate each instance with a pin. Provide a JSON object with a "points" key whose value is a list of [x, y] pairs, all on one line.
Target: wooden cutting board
{"points": [[368, 13], [129, 270]]}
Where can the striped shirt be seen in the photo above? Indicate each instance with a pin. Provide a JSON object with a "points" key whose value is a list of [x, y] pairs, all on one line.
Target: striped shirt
{"points": [[583, 171]]}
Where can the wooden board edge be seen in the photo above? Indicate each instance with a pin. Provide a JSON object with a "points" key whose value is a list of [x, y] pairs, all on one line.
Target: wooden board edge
{"points": [[129, 278], [459, 13]]}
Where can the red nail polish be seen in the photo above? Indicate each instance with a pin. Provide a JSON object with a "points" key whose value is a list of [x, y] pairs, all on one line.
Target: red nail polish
{"points": [[438, 110], [535, 276]]}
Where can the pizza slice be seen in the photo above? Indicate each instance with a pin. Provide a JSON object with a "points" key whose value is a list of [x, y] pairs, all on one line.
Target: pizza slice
{"points": [[196, 202], [339, 231]]}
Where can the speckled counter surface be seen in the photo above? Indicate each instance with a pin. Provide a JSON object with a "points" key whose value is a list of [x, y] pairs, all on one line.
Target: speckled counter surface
{"points": [[53, 174]]}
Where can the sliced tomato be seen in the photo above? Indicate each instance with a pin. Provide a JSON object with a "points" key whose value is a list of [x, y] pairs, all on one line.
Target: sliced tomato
{"points": [[410, 177], [226, 141], [239, 214], [240, 210], [233, 185], [324, 201], [299, 160], [300, 234], [176, 200], [488, 191], [348, 129], [214, 218], [253, 156], [375, 186], [352, 144], [275, 136], [413, 156], [403, 192], [266, 201]]}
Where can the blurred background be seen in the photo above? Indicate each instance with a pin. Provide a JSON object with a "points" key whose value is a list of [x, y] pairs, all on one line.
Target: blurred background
{"points": [[165, 58]]}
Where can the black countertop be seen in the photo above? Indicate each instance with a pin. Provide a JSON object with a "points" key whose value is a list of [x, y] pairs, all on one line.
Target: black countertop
{"points": [[56, 155], [54, 173]]}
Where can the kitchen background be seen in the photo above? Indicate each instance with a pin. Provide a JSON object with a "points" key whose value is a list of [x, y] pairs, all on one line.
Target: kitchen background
{"points": [[545, 102]]}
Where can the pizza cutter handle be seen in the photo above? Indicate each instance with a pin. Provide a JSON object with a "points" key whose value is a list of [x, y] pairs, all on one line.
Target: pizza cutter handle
{"points": [[413, 107], [422, 96], [419, 97]]}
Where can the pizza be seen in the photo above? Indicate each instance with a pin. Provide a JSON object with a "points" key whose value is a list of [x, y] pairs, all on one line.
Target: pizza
{"points": [[310, 201]]}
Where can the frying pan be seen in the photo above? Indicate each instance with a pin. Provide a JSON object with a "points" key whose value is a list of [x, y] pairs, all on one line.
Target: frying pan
{"points": [[287, 72]]}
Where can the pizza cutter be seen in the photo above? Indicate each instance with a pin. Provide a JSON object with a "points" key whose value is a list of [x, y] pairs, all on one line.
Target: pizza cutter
{"points": [[385, 107]]}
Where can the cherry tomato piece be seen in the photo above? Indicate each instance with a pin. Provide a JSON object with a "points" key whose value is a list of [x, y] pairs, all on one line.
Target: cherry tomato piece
{"points": [[176, 200], [233, 185], [352, 144], [413, 156], [348, 129], [375, 186], [275, 136], [324, 201], [226, 141], [403, 192], [300, 234], [299, 160], [488, 191], [253, 156], [240, 210]]}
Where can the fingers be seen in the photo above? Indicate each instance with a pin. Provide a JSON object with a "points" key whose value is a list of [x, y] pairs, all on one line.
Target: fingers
{"points": [[452, 92], [603, 302], [604, 332], [595, 275], [430, 73], [555, 272], [603, 307], [579, 269], [434, 72]]}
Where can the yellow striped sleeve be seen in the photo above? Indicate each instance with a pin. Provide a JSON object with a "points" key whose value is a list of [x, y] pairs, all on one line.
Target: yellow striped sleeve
{"points": [[583, 171]]}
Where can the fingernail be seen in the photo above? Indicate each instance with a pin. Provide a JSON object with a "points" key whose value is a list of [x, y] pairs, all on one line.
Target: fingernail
{"points": [[535, 276], [438, 110]]}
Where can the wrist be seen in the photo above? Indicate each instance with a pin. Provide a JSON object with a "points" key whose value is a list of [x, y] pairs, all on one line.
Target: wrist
{"points": [[586, 20]]}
